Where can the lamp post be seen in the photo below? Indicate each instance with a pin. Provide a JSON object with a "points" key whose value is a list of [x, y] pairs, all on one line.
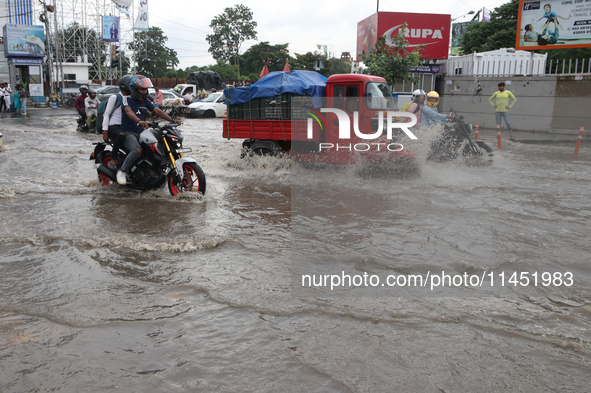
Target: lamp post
{"points": [[43, 18], [472, 12]]}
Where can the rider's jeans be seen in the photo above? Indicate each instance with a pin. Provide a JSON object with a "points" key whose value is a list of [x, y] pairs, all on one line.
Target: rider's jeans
{"points": [[503, 115], [132, 145]]}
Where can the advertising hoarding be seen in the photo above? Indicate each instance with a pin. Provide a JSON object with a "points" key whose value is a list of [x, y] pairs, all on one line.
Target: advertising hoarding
{"points": [[23, 41], [111, 28], [430, 30], [553, 24]]}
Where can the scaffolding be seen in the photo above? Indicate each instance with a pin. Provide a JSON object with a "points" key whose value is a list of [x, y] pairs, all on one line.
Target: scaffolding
{"points": [[83, 43]]}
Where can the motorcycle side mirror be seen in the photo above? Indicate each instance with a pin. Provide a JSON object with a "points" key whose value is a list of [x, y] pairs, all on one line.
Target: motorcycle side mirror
{"points": [[144, 111], [461, 117]]}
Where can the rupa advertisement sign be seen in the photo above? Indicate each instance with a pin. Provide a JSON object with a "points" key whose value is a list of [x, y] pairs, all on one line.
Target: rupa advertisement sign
{"points": [[553, 24], [429, 30]]}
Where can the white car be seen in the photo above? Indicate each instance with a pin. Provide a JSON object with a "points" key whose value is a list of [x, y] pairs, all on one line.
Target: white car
{"points": [[214, 105], [169, 98]]}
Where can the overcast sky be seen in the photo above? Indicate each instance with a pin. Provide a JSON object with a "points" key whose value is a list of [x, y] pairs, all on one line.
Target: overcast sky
{"points": [[302, 24]]}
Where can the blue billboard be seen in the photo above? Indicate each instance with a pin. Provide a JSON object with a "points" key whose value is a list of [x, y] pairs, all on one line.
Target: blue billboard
{"points": [[23, 41], [111, 28]]}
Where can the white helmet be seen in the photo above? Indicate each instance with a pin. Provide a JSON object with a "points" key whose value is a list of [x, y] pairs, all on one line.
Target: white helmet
{"points": [[418, 93]]}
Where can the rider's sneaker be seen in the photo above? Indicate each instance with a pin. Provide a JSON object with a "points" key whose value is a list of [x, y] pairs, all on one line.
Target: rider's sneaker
{"points": [[121, 178]]}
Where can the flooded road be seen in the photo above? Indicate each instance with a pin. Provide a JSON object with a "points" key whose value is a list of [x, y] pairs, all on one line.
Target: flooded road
{"points": [[105, 289]]}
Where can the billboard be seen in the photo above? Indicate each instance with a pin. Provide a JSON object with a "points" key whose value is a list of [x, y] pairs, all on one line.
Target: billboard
{"points": [[457, 33], [111, 28], [23, 41], [553, 24], [430, 30]]}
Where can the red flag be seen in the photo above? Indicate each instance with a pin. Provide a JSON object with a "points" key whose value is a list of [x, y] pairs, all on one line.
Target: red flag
{"points": [[264, 72], [286, 68]]}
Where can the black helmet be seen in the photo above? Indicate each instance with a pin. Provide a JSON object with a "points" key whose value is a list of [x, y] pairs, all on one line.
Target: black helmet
{"points": [[91, 92], [124, 83], [139, 82], [83, 87]]}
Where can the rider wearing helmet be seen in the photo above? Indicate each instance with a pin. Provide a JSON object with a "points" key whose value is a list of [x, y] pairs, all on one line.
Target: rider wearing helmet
{"points": [[133, 122], [79, 104], [90, 106], [430, 116], [416, 106]]}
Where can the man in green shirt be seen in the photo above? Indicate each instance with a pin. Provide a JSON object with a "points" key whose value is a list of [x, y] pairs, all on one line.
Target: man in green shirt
{"points": [[502, 106]]}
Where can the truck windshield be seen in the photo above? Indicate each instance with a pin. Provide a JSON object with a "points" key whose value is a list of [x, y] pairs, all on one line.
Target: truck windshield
{"points": [[377, 96]]}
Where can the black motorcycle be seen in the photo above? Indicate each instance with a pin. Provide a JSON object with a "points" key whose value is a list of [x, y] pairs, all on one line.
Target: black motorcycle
{"points": [[455, 141], [162, 160], [83, 127]]}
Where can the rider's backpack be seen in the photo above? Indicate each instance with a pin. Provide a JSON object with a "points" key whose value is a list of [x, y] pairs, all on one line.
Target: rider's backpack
{"points": [[101, 111]]}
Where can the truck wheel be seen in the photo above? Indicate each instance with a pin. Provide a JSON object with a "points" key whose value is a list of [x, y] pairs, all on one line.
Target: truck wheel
{"points": [[265, 148], [209, 114]]}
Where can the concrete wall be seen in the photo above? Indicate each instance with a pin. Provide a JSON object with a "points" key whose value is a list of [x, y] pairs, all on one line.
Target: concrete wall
{"points": [[554, 104]]}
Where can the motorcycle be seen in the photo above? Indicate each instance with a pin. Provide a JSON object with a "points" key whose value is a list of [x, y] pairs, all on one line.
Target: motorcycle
{"points": [[83, 127], [162, 161], [455, 140]]}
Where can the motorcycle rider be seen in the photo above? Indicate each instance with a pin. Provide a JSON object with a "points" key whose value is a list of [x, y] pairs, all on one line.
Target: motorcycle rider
{"points": [[79, 104], [133, 122], [112, 120], [91, 104], [429, 115], [416, 106]]}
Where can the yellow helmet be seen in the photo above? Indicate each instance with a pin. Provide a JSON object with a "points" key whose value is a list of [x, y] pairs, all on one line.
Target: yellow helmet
{"points": [[432, 98]]}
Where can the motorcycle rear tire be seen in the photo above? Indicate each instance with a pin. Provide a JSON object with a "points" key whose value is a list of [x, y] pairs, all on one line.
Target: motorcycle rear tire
{"points": [[105, 159], [193, 177]]}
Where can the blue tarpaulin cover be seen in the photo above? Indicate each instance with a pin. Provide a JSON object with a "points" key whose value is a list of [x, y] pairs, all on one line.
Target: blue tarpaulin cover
{"points": [[305, 83]]}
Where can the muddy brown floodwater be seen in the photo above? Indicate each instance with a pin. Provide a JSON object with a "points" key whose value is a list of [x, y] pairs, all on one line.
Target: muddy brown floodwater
{"points": [[104, 289]]}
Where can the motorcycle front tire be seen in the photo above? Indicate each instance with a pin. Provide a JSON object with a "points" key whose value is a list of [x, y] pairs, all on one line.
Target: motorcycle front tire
{"points": [[193, 180]]}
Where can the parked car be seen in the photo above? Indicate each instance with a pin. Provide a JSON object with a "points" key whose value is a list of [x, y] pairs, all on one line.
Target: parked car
{"points": [[214, 105], [170, 99], [105, 92]]}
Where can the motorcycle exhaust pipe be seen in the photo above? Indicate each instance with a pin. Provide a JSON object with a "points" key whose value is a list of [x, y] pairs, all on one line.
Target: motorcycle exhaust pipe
{"points": [[109, 173]]}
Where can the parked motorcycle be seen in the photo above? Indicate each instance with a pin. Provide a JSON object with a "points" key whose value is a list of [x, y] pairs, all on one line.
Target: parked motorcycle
{"points": [[455, 140], [162, 160]]}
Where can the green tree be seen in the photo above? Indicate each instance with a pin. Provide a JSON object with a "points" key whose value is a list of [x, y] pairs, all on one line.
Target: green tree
{"points": [[392, 62], [498, 33], [152, 57], [254, 59], [230, 30], [307, 62]]}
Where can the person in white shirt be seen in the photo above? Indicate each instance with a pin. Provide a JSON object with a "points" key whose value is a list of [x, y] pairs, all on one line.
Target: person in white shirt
{"points": [[91, 104], [2, 94], [7, 95], [112, 121]]}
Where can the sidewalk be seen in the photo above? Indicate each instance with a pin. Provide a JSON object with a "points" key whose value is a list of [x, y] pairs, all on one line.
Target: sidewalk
{"points": [[490, 135], [45, 111]]}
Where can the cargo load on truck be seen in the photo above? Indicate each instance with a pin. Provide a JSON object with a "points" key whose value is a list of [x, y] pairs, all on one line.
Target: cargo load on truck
{"points": [[271, 97], [206, 79]]}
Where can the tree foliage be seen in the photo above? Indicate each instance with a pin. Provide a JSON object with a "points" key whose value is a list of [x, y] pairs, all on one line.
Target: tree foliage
{"points": [[498, 33], [230, 30], [392, 62], [255, 58], [152, 57]]}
